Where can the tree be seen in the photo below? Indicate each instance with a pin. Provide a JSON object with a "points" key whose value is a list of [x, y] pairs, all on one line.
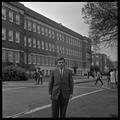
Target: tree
{"points": [[103, 20]]}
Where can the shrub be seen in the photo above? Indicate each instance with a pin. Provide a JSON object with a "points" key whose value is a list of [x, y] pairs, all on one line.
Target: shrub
{"points": [[13, 73]]}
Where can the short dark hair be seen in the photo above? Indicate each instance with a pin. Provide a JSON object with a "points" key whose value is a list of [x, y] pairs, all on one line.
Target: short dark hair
{"points": [[61, 58]]}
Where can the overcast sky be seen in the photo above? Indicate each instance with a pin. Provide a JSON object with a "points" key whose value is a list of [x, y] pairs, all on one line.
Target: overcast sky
{"points": [[69, 14]]}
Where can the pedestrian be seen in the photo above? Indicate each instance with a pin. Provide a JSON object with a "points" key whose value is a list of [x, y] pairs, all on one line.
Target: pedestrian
{"points": [[94, 74], [35, 76], [112, 79], [108, 77], [60, 88], [88, 74], [116, 74], [40, 79], [98, 78]]}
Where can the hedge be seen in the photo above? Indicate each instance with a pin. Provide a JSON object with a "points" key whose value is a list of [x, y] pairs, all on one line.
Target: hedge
{"points": [[13, 73]]}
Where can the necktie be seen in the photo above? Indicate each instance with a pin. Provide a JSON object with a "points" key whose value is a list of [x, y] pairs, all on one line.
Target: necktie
{"points": [[61, 71]]}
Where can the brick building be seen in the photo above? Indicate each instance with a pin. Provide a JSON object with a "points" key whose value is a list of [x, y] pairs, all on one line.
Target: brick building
{"points": [[100, 60], [28, 38]]}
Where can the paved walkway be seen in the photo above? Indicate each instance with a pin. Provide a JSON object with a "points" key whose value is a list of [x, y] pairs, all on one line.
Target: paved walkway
{"points": [[31, 82]]}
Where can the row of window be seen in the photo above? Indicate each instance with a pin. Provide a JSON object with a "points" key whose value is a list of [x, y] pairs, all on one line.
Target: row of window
{"points": [[41, 60], [37, 43], [14, 56], [10, 56], [28, 41], [48, 32], [10, 15], [96, 63], [49, 46], [40, 29], [11, 33], [48, 61]]}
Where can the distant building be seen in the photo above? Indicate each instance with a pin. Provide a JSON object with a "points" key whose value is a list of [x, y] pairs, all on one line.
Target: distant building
{"points": [[28, 38], [100, 60]]}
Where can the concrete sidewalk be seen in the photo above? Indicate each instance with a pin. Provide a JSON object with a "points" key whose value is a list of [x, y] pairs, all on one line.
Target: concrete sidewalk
{"points": [[31, 82]]}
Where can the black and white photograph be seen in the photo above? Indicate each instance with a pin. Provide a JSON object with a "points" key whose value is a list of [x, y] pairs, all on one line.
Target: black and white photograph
{"points": [[59, 59]]}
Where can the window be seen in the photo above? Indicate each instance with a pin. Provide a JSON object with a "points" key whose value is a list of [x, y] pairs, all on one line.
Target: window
{"points": [[34, 27], [43, 60], [29, 42], [63, 50], [42, 29], [53, 34], [3, 13], [25, 24], [57, 49], [97, 56], [46, 59], [49, 61], [34, 59], [46, 46], [46, 31], [38, 29], [53, 47], [52, 61], [66, 51], [38, 43], [38, 60], [17, 37], [3, 55], [42, 44], [25, 41], [10, 16], [60, 37], [50, 47], [60, 50], [17, 57], [29, 59], [34, 43], [18, 19], [3, 34], [97, 63], [10, 35], [75, 42], [50, 33], [10, 56], [29, 25], [57, 36], [25, 58]]}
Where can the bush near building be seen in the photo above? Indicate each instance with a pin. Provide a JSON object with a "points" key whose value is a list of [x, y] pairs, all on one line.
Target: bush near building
{"points": [[13, 73]]}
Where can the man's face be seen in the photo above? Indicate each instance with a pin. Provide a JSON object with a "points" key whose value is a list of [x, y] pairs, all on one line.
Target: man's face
{"points": [[61, 63]]}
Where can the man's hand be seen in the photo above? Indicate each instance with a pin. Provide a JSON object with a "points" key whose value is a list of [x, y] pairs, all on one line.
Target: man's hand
{"points": [[71, 96]]}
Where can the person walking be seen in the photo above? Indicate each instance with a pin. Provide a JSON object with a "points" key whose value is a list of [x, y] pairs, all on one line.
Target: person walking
{"points": [[108, 77], [60, 89], [40, 79], [112, 79], [98, 78], [36, 76], [116, 74]]}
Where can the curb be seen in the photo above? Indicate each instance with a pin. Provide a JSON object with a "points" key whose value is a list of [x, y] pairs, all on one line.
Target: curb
{"points": [[76, 81]]}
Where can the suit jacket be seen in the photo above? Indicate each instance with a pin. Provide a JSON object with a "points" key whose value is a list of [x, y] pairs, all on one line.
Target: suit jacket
{"points": [[63, 84]]}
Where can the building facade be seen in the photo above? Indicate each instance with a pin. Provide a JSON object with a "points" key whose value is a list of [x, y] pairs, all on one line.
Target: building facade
{"points": [[100, 60], [29, 38]]}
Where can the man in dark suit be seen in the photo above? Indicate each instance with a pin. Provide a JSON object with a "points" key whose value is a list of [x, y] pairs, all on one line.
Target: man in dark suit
{"points": [[60, 88]]}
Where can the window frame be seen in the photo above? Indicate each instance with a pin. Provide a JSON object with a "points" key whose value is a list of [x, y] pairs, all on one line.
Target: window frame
{"points": [[17, 34], [10, 34], [10, 14], [3, 33], [4, 16]]}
